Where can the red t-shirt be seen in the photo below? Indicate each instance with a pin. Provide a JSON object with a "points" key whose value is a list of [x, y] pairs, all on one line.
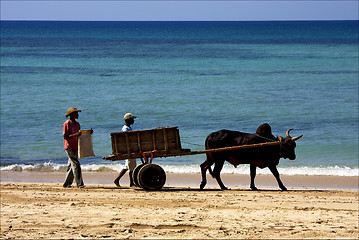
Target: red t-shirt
{"points": [[71, 127]]}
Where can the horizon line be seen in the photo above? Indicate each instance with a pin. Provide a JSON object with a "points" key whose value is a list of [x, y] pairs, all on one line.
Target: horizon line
{"points": [[279, 20]]}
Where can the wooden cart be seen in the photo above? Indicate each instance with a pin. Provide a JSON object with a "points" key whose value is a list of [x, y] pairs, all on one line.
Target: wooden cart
{"points": [[155, 143]]}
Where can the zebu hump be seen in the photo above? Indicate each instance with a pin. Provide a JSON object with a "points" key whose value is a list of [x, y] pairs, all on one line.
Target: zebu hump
{"points": [[226, 138]]}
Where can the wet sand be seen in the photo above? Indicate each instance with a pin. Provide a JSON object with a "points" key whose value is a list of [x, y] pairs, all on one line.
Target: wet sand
{"points": [[43, 209], [194, 179]]}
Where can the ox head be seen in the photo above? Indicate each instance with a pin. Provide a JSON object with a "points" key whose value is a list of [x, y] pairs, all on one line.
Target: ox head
{"points": [[288, 145]]}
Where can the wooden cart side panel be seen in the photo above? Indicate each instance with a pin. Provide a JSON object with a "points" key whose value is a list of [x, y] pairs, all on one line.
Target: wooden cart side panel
{"points": [[173, 141], [165, 139], [127, 140], [178, 141], [139, 142], [154, 145], [158, 139], [145, 141], [114, 144], [118, 143]]}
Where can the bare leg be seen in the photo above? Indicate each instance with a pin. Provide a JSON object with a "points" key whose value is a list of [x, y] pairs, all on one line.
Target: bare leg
{"points": [[117, 180]]}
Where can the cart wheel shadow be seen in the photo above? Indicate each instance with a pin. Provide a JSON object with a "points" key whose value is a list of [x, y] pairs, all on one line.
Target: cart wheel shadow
{"points": [[181, 189], [111, 188]]}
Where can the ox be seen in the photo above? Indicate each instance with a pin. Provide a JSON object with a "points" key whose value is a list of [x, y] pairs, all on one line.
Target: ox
{"points": [[267, 156]]}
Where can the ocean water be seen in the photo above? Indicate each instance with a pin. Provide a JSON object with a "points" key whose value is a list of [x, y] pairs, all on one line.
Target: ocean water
{"points": [[199, 76]]}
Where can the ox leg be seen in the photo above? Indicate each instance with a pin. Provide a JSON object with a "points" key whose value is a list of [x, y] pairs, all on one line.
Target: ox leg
{"points": [[275, 172], [253, 169], [204, 167], [217, 174], [210, 171]]}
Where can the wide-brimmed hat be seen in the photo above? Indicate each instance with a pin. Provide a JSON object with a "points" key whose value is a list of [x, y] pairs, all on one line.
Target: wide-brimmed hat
{"points": [[128, 116], [71, 110]]}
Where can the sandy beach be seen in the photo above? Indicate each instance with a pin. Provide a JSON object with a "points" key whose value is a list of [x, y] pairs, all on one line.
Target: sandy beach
{"points": [[43, 209]]}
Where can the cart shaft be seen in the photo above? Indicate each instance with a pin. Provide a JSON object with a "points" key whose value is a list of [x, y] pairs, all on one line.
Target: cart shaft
{"points": [[183, 152], [233, 148]]}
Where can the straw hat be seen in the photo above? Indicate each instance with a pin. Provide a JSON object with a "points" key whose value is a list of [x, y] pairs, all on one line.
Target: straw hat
{"points": [[71, 110], [128, 116]]}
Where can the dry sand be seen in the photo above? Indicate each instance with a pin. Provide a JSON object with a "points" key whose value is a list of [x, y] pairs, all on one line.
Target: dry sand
{"points": [[46, 210]]}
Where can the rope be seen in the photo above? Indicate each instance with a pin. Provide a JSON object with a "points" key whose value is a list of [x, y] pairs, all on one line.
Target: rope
{"points": [[280, 145], [265, 138], [192, 143]]}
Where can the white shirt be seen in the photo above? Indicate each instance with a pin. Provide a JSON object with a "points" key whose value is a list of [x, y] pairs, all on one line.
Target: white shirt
{"points": [[130, 163], [126, 128]]}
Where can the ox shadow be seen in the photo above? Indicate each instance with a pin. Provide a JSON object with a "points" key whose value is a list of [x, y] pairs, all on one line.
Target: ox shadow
{"points": [[191, 189]]}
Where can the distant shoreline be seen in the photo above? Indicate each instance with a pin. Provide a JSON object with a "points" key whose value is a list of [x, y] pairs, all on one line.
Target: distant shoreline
{"points": [[233, 181]]}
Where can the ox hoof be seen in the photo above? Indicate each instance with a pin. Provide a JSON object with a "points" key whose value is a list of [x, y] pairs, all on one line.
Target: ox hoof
{"points": [[202, 186], [224, 188], [284, 189], [254, 189]]}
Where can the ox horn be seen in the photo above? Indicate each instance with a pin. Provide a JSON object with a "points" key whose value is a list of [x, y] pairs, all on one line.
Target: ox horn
{"points": [[293, 138], [287, 133], [296, 138]]}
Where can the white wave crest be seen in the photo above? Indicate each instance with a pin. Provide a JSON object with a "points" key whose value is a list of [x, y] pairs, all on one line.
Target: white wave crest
{"points": [[241, 169], [300, 170]]}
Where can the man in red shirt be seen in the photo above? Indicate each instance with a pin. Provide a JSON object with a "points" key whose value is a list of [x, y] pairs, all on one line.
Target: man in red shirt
{"points": [[71, 131]]}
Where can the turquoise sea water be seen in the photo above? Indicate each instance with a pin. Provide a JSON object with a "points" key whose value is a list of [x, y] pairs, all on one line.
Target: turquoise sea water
{"points": [[199, 76]]}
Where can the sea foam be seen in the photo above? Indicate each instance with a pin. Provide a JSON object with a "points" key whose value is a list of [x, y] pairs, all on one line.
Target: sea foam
{"points": [[227, 169]]}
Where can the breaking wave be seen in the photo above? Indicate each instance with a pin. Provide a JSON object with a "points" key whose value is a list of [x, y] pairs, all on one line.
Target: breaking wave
{"points": [[192, 168]]}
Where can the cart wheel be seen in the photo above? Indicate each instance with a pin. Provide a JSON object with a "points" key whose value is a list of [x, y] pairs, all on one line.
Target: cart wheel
{"points": [[151, 177], [135, 174]]}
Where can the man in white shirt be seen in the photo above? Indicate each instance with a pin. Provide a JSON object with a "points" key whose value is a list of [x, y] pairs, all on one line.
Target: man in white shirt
{"points": [[130, 163]]}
